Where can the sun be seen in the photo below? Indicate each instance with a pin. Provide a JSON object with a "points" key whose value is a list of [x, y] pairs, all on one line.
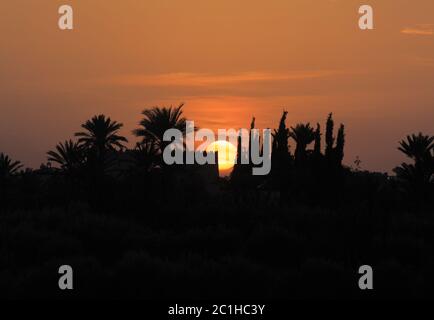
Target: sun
{"points": [[227, 154]]}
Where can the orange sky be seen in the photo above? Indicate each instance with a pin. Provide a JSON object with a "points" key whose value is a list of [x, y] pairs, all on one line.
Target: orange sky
{"points": [[227, 60]]}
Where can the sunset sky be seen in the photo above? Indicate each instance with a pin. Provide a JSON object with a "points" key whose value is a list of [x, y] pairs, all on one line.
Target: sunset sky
{"points": [[228, 60]]}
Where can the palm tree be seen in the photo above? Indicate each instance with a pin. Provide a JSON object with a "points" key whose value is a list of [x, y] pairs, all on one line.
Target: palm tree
{"points": [[303, 135], [408, 173], [417, 147], [146, 155], [69, 155], [101, 135], [417, 176], [156, 121], [8, 167]]}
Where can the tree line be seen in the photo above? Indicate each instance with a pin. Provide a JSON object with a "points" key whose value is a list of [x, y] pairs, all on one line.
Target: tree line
{"points": [[312, 172]]}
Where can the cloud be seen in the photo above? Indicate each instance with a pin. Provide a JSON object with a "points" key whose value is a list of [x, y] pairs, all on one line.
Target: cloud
{"points": [[419, 30], [258, 84], [206, 80]]}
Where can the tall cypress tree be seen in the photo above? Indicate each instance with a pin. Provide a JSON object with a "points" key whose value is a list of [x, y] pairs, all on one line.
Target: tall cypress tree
{"points": [[240, 175], [329, 136], [317, 146], [281, 136], [252, 126], [340, 143]]}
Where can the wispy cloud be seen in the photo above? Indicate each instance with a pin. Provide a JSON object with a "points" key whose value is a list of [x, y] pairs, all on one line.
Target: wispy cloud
{"points": [[203, 80], [419, 30]]}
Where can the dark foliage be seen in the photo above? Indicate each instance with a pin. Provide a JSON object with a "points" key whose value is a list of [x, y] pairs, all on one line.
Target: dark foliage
{"points": [[134, 228]]}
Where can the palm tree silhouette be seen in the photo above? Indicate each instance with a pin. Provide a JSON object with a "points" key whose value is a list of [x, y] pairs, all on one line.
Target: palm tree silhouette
{"points": [[407, 173], [146, 155], [155, 123], [69, 155], [8, 167], [303, 135], [417, 147], [419, 175], [99, 141], [101, 134]]}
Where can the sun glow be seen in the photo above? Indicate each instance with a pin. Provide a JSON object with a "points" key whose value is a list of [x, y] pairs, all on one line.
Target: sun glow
{"points": [[227, 154]]}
